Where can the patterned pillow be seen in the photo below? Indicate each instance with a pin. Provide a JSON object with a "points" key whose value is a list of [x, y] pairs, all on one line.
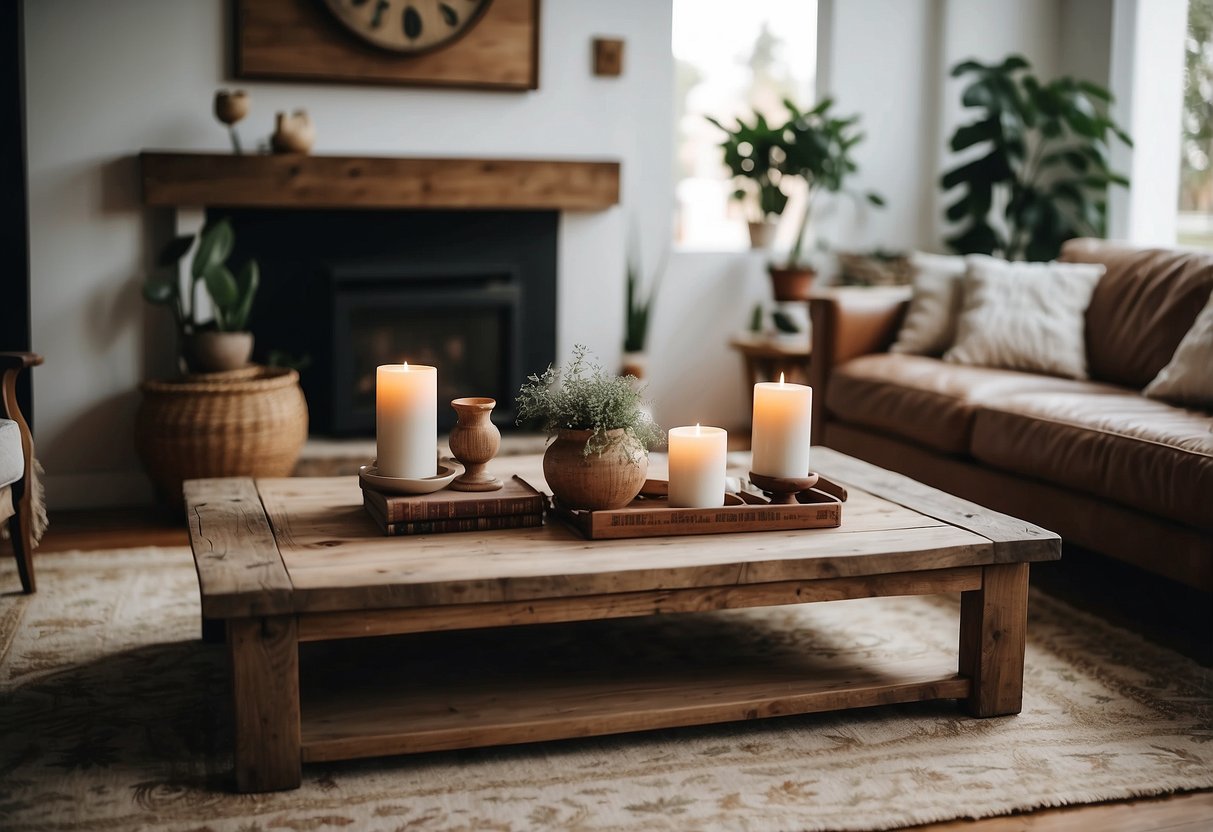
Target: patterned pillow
{"points": [[930, 324], [1025, 316], [1188, 377]]}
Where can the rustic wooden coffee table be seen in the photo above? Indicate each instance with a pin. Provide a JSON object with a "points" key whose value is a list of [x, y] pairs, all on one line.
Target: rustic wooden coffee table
{"points": [[287, 561]]}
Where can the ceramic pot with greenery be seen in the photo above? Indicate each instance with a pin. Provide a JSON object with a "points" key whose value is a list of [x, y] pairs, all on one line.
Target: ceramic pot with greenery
{"points": [[223, 342], [602, 433], [813, 146]]}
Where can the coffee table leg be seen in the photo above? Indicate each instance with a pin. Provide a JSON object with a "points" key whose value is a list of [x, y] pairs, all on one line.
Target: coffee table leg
{"points": [[265, 686], [993, 634]]}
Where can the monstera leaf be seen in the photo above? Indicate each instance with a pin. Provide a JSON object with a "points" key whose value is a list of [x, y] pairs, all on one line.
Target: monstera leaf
{"points": [[1040, 151]]}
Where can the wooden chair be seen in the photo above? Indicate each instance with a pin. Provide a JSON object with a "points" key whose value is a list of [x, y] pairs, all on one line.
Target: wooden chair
{"points": [[17, 465]]}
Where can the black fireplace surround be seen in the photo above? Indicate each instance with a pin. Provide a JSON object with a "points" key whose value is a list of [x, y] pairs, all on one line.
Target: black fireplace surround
{"points": [[471, 292]]}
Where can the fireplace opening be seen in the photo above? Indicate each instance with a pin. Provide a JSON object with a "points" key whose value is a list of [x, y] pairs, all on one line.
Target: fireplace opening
{"points": [[470, 292], [466, 324]]}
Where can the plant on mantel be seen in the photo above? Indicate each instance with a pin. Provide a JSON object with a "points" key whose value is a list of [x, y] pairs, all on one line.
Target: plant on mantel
{"points": [[223, 342], [1042, 164], [814, 146]]}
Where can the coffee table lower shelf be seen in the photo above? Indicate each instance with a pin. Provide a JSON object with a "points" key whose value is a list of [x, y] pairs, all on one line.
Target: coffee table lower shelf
{"points": [[405, 714]]}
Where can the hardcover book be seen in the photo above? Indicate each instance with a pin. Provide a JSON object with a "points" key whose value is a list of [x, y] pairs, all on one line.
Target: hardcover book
{"points": [[515, 497]]}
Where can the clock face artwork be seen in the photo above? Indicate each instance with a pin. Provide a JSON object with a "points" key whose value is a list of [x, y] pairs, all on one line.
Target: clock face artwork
{"points": [[408, 26]]}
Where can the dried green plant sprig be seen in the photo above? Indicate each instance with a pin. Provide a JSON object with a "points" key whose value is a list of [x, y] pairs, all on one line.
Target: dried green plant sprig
{"points": [[581, 395]]}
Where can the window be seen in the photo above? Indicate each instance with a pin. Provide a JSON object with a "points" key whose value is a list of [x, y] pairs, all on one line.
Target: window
{"points": [[726, 65], [1196, 150]]}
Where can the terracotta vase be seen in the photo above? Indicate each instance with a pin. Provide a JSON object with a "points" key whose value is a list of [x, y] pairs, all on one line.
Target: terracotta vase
{"points": [[611, 479], [634, 364], [217, 352], [474, 441], [792, 283]]}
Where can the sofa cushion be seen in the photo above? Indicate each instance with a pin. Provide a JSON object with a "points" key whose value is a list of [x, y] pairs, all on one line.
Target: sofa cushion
{"points": [[1188, 379], [925, 400], [1024, 316], [1113, 444], [1142, 307], [12, 461]]}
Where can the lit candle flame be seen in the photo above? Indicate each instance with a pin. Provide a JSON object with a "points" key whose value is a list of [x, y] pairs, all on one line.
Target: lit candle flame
{"points": [[697, 431], [406, 366], [781, 379]]}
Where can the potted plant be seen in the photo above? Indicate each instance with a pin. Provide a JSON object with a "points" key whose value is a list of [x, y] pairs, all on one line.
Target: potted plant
{"points": [[813, 146], [752, 153], [816, 148], [222, 343], [1045, 163], [637, 311], [602, 433]]}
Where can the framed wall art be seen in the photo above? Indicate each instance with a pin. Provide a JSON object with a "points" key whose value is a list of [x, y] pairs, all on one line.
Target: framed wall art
{"points": [[479, 44]]}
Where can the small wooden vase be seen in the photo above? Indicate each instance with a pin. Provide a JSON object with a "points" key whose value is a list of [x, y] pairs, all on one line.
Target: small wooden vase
{"points": [[475, 440]]}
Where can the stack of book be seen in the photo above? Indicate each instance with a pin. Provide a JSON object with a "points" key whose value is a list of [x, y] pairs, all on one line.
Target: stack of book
{"points": [[515, 506]]}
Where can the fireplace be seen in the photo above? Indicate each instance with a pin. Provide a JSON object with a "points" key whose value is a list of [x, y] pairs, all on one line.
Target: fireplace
{"points": [[472, 292]]}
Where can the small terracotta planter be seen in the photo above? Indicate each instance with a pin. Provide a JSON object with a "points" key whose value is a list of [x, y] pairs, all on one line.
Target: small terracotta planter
{"points": [[791, 283], [217, 352], [611, 479]]}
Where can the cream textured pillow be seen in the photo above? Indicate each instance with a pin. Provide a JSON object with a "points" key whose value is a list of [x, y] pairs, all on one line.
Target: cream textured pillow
{"points": [[930, 324], [1025, 316], [1188, 377]]}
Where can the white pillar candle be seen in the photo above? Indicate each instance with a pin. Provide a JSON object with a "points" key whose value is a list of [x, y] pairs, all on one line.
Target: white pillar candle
{"points": [[697, 465], [783, 415], [406, 420]]}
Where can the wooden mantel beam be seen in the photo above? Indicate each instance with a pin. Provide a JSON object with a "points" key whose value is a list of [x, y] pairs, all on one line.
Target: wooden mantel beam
{"points": [[298, 181]]}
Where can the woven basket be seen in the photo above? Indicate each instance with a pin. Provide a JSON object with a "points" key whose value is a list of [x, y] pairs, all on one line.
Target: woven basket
{"points": [[246, 423]]}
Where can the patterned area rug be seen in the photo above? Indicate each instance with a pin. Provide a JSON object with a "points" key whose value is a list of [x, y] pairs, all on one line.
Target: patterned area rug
{"points": [[113, 716]]}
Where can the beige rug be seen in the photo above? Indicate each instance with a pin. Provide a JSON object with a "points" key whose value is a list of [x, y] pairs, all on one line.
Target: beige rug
{"points": [[113, 716]]}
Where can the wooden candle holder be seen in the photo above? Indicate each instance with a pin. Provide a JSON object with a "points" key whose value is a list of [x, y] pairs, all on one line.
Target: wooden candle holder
{"points": [[783, 490], [475, 440]]}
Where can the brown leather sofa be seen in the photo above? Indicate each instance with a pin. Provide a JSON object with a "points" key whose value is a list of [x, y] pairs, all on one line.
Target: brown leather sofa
{"points": [[1096, 461]]}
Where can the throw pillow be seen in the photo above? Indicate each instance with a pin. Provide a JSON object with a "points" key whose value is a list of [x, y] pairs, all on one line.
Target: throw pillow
{"points": [[1188, 377], [1025, 316], [930, 324]]}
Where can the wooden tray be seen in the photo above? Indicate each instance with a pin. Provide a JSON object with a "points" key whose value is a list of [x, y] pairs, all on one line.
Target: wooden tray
{"points": [[650, 514]]}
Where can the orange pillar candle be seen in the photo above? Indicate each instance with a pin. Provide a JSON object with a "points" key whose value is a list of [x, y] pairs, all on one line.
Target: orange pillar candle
{"points": [[782, 421], [406, 420], [697, 466]]}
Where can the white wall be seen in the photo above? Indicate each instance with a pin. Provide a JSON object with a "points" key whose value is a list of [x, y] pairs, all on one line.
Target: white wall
{"points": [[105, 80]]}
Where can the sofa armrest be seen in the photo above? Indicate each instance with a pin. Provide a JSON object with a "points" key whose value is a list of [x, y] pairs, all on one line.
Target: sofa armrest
{"points": [[847, 323]]}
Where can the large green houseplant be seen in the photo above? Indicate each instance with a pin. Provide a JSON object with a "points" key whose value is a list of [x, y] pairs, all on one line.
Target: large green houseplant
{"points": [[223, 342], [815, 146], [1041, 173], [602, 432]]}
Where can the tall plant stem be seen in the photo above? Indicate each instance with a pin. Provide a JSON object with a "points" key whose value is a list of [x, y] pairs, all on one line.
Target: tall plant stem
{"points": [[794, 255]]}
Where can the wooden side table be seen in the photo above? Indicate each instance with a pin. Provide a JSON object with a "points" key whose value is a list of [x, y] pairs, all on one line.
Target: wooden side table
{"points": [[765, 358]]}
